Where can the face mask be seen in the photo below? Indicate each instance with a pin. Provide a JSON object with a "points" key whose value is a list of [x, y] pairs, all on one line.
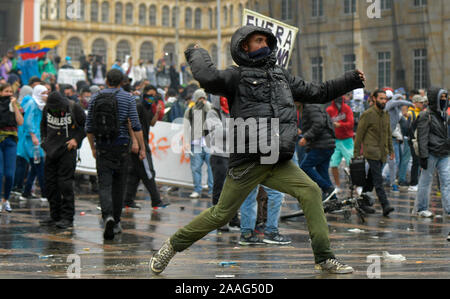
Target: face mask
{"points": [[261, 53], [149, 99]]}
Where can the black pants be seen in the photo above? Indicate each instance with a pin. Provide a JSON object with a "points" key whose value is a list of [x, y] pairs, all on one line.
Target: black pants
{"points": [[112, 174], [59, 176], [136, 173], [414, 168], [375, 178]]}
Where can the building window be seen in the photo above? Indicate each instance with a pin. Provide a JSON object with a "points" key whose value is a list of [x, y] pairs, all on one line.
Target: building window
{"points": [[74, 48], [174, 17], [142, 14], [99, 48], [153, 15], [286, 9], [420, 69], [211, 20], [349, 62], [188, 18], [216, 20], [420, 3], [256, 6], [317, 69], [123, 49], [241, 13], [169, 49], [386, 4], [118, 16], [225, 17], [198, 18], [349, 7], [317, 8], [384, 69], [213, 52], [228, 51], [94, 11], [82, 10], [165, 16], [231, 16], [44, 10], [146, 51], [105, 12], [129, 14]]}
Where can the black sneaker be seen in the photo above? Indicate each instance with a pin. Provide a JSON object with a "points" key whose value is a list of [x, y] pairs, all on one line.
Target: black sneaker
{"points": [[328, 195], [276, 238], [387, 209], [368, 210], [64, 224], [117, 228], [48, 222], [108, 233], [162, 204], [132, 206], [250, 239]]}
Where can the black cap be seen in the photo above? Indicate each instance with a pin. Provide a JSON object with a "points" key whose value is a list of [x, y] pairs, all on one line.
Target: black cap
{"points": [[56, 101]]}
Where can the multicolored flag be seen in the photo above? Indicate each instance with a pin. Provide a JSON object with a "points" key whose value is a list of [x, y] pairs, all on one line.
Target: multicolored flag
{"points": [[36, 49]]}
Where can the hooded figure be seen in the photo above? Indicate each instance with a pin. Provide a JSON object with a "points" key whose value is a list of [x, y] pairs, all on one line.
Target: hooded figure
{"points": [[39, 95], [25, 91], [432, 127], [261, 90], [62, 121]]}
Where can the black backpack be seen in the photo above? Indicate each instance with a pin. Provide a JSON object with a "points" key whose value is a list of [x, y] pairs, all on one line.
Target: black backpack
{"points": [[106, 117]]}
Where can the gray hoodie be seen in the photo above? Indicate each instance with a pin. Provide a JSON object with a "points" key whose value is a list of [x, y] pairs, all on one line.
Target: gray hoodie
{"points": [[216, 124], [394, 108]]}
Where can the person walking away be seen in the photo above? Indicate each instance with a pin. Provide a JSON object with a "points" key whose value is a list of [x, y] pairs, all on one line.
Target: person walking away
{"points": [[62, 132], [10, 119]]}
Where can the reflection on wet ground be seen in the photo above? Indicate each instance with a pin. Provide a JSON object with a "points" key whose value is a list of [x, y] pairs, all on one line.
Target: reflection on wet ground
{"points": [[30, 251]]}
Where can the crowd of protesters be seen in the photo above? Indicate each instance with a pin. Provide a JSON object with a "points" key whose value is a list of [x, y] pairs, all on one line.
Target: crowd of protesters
{"points": [[399, 134]]}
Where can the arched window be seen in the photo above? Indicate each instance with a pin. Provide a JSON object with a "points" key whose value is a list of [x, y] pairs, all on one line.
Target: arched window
{"points": [[74, 48], [152, 15], [129, 14], [146, 52], [105, 12], [142, 14], [211, 18], [100, 48], [231, 16], [165, 16], [118, 13], [94, 11], [171, 57], [213, 52], [225, 16], [198, 18], [123, 49], [44, 10], [82, 11], [174, 17], [188, 18]]}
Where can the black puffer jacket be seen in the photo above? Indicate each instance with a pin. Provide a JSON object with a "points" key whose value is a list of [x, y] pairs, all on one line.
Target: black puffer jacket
{"points": [[432, 127], [259, 89], [317, 127]]}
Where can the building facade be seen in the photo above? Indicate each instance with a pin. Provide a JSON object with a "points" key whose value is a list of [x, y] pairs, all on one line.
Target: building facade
{"points": [[399, 43], [144, 29]]}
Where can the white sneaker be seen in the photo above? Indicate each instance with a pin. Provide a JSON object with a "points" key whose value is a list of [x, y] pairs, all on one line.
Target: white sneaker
{"points": [[43, 199], [413, 188], [7, 207], [425, 214], [194, 195]]}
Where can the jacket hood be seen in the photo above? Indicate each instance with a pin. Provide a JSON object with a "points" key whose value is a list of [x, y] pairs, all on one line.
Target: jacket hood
{"points": [[398, 97], [434, 98], [241, 57], [57, 101], [26, 90]]}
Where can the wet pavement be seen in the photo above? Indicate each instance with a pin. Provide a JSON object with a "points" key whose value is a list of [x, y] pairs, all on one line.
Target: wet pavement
{"points": [[28, 250]]}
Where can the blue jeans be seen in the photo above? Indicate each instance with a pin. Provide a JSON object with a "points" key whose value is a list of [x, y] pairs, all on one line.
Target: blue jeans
{"points": [[198, 156], [8, 152], [316, 164], [36, 170], [249, 211], [397, 151], [426, 179], [406, 157]]}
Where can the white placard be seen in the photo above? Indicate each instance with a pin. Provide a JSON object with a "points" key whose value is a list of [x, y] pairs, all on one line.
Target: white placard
{"points": [[284, 33], [71, 76]]}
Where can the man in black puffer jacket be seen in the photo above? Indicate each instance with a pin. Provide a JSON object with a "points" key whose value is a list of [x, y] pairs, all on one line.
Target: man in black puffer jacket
{"points": [[434, 151], [262, 94], [319, 140]]}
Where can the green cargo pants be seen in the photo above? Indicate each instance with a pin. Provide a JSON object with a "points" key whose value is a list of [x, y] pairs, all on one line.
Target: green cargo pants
{"points": [[285, 177]]}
